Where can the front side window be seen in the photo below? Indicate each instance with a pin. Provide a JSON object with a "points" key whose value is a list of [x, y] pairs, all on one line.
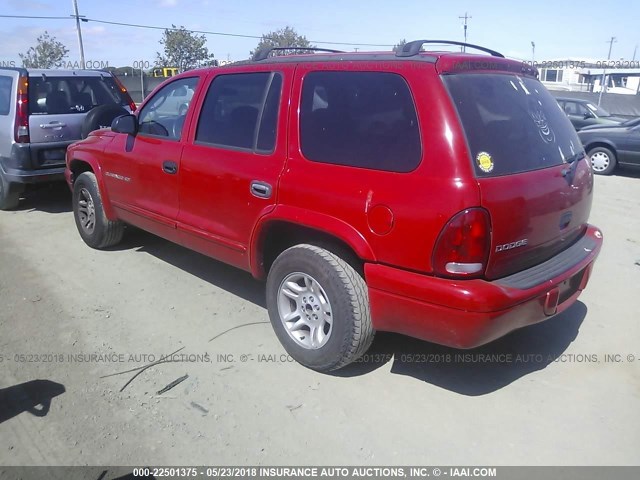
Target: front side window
{"points": [[359, 119], [241, 111], [165, 113]]}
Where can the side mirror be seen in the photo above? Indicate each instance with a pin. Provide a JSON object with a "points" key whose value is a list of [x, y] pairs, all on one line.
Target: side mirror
{"points": [[588, 115], [125, 124]]}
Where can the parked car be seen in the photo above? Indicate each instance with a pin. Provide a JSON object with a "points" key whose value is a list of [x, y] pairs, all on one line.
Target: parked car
{"points": [[610, 147], [632, 122], [44, 111], [583, 113], [440, 195]]}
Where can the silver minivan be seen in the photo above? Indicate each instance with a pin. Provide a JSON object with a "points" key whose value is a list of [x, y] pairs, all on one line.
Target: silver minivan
{"points": [[44, 111]]}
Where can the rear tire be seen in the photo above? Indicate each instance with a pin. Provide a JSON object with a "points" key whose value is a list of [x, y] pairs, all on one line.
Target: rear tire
{"points": [[603, 161], [94, 227], [319, 308], [9, 195]]}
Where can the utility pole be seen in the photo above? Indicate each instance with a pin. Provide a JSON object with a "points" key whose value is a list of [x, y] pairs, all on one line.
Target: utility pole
{"points": [[533, 52], [634, 54], [466, 17], [602, 82], [78, 17]]}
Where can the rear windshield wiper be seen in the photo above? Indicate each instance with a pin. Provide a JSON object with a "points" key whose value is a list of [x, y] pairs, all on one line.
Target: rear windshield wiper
{"points": [[577, 156]]}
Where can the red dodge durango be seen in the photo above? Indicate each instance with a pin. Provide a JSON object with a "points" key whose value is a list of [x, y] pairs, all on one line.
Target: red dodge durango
{"points": [[441, 195]]}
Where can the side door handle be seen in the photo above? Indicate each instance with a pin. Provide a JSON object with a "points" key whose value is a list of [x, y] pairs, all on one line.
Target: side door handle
{"points": [[169, 167], [261, 189]]}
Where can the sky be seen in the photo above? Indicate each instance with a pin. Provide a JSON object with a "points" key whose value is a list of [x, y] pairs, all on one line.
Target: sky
{"points": [[560, 30]]}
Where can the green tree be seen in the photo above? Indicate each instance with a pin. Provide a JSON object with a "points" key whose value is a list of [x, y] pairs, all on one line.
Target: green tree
{"points": [[285, 37], [46, 54], [399, 45], [184, 49]]}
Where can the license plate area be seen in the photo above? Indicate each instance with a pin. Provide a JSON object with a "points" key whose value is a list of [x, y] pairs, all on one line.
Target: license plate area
{"points": [[569, 286]]}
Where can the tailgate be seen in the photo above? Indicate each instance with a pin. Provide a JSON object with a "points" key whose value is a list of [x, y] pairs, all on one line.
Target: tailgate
{"points": [[535, 215], [531, 168]]}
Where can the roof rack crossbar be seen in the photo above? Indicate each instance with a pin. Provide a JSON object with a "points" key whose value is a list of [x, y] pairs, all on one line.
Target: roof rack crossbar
{"points": [[264, 54], [411, 49]]}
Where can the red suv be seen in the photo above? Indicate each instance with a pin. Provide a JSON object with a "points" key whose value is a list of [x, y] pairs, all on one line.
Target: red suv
{"points": [[440, 195]]}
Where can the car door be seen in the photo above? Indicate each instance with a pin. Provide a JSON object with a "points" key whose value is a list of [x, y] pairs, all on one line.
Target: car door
{"points": [[142, 172], [230, 169], [629, 145]]}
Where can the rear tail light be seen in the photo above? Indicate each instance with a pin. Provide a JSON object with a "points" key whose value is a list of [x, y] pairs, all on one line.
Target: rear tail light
{"points": [[462, 248], [123, 91], [21, 133]]}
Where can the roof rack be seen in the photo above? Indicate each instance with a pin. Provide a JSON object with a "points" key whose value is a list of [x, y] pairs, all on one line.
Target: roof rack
{"points": [[411, 49], [264, 54]]}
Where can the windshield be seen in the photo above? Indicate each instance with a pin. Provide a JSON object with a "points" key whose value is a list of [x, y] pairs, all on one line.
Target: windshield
{"points": [[512, 124], [599, 111]]}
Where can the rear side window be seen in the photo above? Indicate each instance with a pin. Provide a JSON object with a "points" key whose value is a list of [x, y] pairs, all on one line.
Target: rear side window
{"points": [[57, 95], [512, 124], [241, 111], [5, 95], [359, 119]]}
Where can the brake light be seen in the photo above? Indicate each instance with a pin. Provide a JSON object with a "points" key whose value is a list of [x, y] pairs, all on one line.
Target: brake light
{"points": [[123, 90], [21, 133], [462, 248]]}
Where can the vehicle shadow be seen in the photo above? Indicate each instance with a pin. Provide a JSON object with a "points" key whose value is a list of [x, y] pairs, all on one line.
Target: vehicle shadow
{"points": [[627, 172], [226, 277], [33, 397], [472, 372], [50, 198], [481, 370]]}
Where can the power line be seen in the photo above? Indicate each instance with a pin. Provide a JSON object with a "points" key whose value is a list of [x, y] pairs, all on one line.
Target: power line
{"points": [[206, 32], [31, 16]]}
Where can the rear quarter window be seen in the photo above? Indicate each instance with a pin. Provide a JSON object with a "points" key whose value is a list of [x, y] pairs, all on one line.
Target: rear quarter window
{"points": [[512, 123], [5, 94], [359, 119]]}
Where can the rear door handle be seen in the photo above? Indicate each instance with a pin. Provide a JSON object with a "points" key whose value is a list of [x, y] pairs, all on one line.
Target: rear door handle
{"points": [[53, 125], [169, 167], [261, 189]]}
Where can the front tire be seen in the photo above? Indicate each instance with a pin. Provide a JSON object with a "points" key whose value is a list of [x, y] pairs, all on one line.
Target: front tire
{"points": [[603, 161], [319, 308], [94, 227]]}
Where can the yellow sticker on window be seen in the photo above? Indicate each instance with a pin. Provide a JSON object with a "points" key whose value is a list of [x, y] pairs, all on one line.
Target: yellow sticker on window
{"points": [[485, 162]]}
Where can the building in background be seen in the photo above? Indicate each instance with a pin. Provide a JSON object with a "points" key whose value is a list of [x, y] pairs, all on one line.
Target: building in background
{"points": [[621, 76]]}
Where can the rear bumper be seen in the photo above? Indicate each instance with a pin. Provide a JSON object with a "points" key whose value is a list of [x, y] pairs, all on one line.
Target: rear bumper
{"points": [[33, 176], [34, 162], [470, 313]]}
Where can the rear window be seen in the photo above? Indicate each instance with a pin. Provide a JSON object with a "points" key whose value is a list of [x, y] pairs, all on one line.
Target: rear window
{"points": [[5, 95], [512, 124], [359, 119], [56, 95]]}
